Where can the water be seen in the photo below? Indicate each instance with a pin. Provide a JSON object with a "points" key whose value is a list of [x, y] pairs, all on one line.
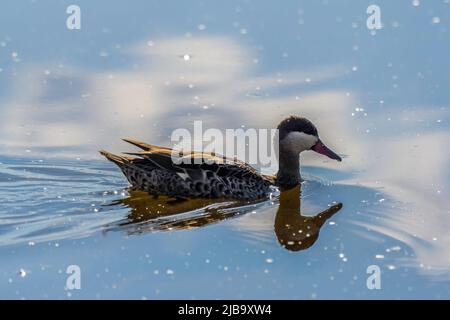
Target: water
{"points": [[142, 70]]}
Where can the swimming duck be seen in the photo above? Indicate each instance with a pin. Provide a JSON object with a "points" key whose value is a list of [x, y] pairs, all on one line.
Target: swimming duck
{"points": [[154, 171]]}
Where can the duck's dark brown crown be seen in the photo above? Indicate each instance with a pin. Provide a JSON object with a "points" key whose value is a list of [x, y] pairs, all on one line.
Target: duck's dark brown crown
{"points": [[294, 123]]}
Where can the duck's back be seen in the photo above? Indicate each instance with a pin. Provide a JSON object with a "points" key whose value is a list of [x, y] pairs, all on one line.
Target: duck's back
{"points": [[160, 171]]}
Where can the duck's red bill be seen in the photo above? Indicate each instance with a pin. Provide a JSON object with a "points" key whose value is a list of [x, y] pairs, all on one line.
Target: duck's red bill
{"points": [[319, 147]]}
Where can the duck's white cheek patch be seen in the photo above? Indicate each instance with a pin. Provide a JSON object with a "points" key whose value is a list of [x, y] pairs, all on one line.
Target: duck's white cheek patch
{"points": [[299, 141]]}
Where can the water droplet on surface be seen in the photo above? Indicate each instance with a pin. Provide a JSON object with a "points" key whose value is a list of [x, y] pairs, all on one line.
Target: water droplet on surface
{"points": [[22, 273], [436, 20], [186, 57]]}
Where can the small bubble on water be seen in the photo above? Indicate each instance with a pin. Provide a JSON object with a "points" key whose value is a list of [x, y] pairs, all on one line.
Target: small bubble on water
{"points": [[169, 271], [186, 57], [201, 27], [415, 3], [379, 256], [436, 20], [22, 272], [394, 249], [391, 267], [269, 260]]}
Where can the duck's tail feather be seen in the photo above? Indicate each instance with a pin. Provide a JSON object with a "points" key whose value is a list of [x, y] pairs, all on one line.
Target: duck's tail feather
{"points": [[119, 160], [142, 145]]}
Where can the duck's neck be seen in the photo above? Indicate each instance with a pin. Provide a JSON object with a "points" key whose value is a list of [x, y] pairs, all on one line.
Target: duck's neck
{"points": [[288, 175]]}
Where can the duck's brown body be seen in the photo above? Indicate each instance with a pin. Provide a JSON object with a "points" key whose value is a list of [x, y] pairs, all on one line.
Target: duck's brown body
{"points": [[158, 172]]}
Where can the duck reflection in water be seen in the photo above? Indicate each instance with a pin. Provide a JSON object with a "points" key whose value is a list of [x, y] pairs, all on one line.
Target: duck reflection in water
{"points": [[293, 230]]}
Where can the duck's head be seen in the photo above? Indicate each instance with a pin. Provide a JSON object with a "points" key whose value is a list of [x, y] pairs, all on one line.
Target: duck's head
{"points": [[297, 134]]}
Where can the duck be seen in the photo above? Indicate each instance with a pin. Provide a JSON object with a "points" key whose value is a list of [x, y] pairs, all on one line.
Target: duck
{"points": [[154, 170]]}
